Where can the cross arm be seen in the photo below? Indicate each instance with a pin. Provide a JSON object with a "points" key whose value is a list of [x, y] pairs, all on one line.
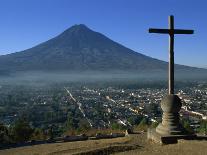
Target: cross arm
{"points": [[180, 31], [169, 31], [153, 30]]}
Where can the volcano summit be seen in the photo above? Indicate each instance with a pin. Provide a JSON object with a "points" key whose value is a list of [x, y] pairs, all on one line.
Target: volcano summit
{"points": [[81, 49]]}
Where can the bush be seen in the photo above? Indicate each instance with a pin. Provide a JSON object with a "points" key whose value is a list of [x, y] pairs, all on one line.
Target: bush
{"points": [[203, 127], [117, 126], [154, 124], [21, 131], [143, 125], [4, 135], [186, 125], [38, 134]]}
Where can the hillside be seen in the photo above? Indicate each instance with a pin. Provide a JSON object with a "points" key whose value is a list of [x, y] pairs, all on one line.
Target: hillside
{"points": [[133, 145]]}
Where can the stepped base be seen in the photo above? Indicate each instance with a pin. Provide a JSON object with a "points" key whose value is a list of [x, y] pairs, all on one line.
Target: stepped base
{"points": [[167, 139], [170, 129]]}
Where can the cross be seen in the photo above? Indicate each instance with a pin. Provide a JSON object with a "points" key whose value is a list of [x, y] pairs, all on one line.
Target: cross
{"points": [[171, 31]]}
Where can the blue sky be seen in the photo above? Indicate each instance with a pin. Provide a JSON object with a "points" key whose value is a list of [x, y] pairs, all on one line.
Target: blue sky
{"points": [[26, 23]]}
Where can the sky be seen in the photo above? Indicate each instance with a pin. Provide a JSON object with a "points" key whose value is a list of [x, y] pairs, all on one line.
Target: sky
{"points": [[26, 23]]}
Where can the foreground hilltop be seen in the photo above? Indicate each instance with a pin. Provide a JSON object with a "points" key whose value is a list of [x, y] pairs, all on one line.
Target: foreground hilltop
{"points": [[133, 144], [81, 49]]}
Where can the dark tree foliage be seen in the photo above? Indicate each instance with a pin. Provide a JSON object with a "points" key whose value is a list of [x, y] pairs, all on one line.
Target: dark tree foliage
{"points": [[22, 131], [4, 135], [186, 125], [203, 127]]}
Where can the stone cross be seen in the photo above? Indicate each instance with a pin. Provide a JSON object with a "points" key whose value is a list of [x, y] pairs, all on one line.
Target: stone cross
{"points": [[170, 129], [171, 31]]}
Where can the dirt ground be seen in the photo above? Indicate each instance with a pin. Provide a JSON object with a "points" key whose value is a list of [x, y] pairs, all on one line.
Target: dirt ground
{"points": [[183, 147], [135, 144]]}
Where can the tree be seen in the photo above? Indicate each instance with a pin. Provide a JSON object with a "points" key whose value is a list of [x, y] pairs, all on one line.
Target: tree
{"points": [[4, 135], [186, 125], [133, 120], [143, 125], [51, 133], [38, 134], [203, 127], [154, 124], [117, 126], [84, 125], [22, 131], [71, 123]]}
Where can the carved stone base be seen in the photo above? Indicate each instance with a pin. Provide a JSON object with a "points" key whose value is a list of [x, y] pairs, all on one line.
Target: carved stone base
{"points": [[170, 129], [170, 125], [167, 139], [171, 105]]}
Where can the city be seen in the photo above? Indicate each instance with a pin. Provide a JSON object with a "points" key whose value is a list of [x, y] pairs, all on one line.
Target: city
{"points": [[100, 108]]}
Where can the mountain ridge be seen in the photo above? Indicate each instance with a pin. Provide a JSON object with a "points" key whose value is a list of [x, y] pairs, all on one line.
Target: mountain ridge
{"points": [[79, 48]]}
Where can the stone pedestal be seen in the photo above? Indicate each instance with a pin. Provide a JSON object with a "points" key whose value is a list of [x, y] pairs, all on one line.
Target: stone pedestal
{"points": [[170, 129]]}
